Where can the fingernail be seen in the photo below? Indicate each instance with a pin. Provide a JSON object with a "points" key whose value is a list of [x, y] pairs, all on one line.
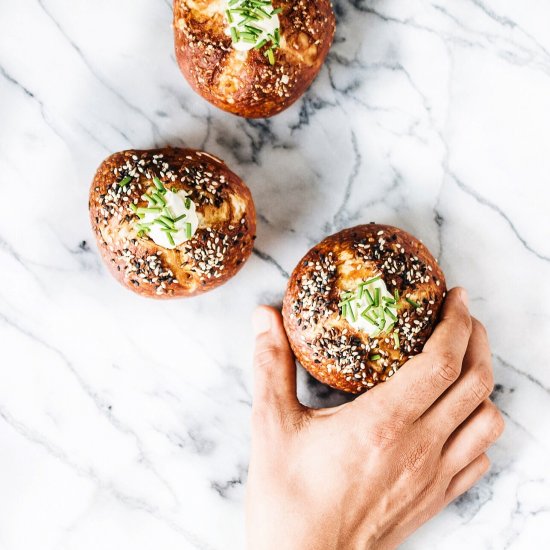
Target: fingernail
{"points": [[464, 296], [261, 320]]}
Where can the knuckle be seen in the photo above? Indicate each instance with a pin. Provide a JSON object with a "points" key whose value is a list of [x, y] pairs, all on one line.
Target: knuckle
{"points": [[496, 421], [464, 324], [267, 357], [478, 326], [484, 463], [446, 368], [493, 424], [385, 434], [483, 384], [415, 459]]}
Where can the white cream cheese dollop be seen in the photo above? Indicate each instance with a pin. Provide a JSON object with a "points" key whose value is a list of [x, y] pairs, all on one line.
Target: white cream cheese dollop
{"points": [[180, 206], [237, 21], [363, 313]]}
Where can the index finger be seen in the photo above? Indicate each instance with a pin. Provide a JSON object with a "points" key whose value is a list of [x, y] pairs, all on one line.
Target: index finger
{"points": [[422, 379]]}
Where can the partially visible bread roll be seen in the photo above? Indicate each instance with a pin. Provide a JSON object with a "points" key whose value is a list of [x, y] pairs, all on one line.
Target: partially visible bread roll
{"points": [[249, 59]]}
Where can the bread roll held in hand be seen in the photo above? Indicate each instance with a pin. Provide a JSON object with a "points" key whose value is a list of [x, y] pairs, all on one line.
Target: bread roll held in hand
{"points": [[171, 222], [252, 58], [360, 304]]}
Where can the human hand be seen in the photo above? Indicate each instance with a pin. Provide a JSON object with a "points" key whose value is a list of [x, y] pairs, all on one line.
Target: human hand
{"points": [[368, 473]]}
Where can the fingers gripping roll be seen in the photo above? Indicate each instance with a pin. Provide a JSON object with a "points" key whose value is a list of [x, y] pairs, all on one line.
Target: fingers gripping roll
{"points": [[361, 303]]}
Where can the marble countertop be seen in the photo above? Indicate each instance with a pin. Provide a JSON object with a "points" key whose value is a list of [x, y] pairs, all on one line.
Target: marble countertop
{"points": [[124, 422]]}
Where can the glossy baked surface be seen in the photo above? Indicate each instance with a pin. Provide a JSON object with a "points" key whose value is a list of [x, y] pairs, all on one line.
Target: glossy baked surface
{"points": [[248, 84], [323, 339], [220, 246]]}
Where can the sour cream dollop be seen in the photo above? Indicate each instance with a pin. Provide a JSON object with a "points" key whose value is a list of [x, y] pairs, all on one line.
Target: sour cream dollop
{"points": [[179, 205], [366, 317], [237, 20]]}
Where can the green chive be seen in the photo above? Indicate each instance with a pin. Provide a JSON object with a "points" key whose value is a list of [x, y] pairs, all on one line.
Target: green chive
{"points": [[144, 210], [373, 280], [396, 339], [163, 224], [260, 44], [375, 357], [170, 238], [416, 305], [168, 221], [271, 56], [188, 229], [390, 314], [376, 297], [344, 312], [125, 181], [159, 185], [159, 199], [187, 203], [368, 318]]}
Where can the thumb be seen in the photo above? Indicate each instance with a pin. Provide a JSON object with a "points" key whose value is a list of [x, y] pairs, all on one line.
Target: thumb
{"points": [[274, 366]]}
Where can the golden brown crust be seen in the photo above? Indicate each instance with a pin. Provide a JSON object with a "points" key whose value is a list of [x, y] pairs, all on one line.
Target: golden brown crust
{"points": [[248, 85], [221, 245], [327, 345]]}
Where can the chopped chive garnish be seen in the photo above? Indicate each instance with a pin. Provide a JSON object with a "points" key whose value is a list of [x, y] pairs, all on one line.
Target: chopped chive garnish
{"points": [[159, 199], [187, 203], [270, 56], [149, 210], [163, 224], [388, 312], [416, 305], [396, 339], [158, 184], [167, 221], [188, 230], [396, 295], [376, 297], [373, 280], [370, 299], [179, 218], [170, 238], [366, 316], [244, 20], [125, 181], [375, 357]]}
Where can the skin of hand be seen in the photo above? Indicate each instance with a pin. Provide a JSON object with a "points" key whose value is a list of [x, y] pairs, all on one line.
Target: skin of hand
{"points": [[367, 474]]}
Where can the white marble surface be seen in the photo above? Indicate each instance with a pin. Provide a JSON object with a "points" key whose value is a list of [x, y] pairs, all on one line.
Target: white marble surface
{"points": [[431, 115]]}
